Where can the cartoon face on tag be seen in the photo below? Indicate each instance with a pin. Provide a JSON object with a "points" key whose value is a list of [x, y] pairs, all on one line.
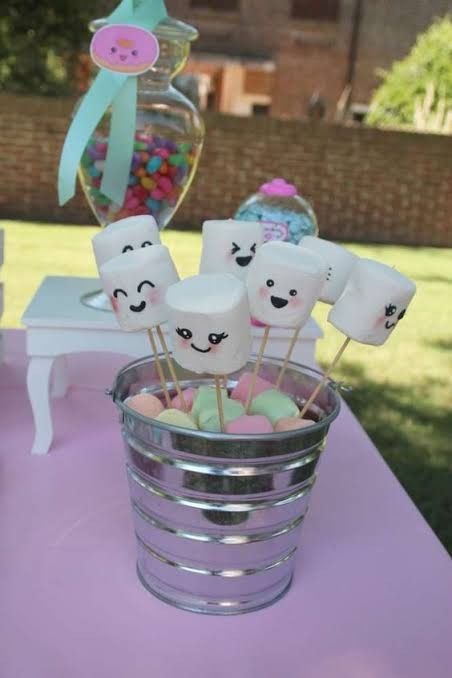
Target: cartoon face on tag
{"points": [[136, 283], [374, 301], [284, 283], [124, 49], [230, 246], [339, 261], [124, 236], [210, 323]]}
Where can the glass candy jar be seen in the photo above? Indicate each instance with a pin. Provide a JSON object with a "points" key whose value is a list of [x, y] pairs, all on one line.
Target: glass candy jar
{"points": [[168, 140], [286, 215]]}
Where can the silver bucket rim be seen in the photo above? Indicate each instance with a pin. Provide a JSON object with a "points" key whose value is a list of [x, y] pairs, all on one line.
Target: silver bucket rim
{"points": [[323, 423]]}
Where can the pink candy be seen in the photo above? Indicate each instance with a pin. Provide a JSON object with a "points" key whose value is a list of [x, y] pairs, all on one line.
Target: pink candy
{"points": [[241, 391], [165, 184], [292, 424], [146, 404], [189, 396], [249, 425]]}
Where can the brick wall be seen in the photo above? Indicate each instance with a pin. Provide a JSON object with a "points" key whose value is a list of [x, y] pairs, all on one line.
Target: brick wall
{"points": [[311, 56], [365, 184]]}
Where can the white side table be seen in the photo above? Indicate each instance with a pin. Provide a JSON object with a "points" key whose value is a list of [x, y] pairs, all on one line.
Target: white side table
{"points": [[58, 324]]}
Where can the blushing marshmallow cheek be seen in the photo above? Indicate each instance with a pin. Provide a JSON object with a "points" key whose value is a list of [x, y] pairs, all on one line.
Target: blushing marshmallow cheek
{"points": [[184, 344], [154, 297], [295, 302], [114, 303], [264, 292]]}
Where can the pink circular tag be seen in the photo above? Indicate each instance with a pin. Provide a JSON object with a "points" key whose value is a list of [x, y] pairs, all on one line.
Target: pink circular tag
{"points": [[124, 49]]}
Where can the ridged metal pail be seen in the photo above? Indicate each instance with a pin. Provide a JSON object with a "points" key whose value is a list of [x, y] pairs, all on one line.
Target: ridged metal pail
{"points": [[218, 517]]}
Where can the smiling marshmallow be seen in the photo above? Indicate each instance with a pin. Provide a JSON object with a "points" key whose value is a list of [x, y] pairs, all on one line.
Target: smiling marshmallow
{"points": [[374, 301], [210, 323], [230, 246], [124, 236], [284, 284], [340, 263], [136, 283]]}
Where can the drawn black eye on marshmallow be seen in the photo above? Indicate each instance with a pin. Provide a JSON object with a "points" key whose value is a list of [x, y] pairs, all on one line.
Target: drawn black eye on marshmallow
{"points": [[229, 246], [209, 323], [339, 262], [125, 236], [138, 301], [363, 312], [284, 283]]}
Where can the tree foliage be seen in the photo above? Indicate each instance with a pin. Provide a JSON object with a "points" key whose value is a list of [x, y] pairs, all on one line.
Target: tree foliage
{"points": [[409, 81], [40, 42]]}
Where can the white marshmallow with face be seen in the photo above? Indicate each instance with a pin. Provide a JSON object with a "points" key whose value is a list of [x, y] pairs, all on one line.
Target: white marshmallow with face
{"points": [[339, 261], [229, 246], [209, 322], [124, 236], [136, 283], [375, 299], [284, 284]]}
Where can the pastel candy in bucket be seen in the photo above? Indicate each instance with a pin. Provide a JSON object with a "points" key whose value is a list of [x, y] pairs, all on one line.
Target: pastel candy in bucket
{"points": [[374, 301], [136, 283]]}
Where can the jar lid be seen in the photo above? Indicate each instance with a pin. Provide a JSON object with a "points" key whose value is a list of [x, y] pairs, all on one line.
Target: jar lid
{"points": [[279, 187], [169, 29]]}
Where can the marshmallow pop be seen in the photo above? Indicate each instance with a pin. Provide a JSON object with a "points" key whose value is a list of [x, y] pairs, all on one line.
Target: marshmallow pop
{"points": [[230, 246], [210, 325], [284, 284], [136, 283], [374, 301], [339, 261], [124, 236]]}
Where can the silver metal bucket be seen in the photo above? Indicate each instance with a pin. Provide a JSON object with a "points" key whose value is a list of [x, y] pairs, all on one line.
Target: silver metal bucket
{"points": [[218, 517]]}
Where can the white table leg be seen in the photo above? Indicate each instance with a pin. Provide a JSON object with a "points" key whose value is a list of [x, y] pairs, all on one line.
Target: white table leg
{"points": [[60, 378], [38, 384]]}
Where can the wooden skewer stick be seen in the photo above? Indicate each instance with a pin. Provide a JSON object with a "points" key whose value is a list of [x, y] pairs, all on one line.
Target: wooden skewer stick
{"points": [[220, 403], [257, 368], [170, 363], [288, 357], [326, 376], [158, 367], [225, 382]]}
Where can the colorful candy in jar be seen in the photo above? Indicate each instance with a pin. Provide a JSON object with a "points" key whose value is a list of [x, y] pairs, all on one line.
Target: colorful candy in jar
{"points": [[285, 214], [159, 171]]}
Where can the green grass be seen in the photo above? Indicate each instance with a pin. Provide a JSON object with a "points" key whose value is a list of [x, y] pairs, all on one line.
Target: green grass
{"points": [[402, 391]]}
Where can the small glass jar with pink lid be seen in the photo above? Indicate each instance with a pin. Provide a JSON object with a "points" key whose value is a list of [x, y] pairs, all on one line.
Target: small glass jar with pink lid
{"points": [[286, 214]]}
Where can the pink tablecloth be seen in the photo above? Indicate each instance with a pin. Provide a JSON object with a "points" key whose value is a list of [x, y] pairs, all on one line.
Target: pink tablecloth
{"points": [[372, 597]]}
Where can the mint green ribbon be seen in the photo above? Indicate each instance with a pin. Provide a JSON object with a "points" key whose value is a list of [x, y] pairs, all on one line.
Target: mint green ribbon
{"points": [[119, 91]]}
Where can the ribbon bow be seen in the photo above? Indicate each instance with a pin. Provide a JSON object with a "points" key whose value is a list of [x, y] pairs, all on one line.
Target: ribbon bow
{"points": [[123, 49]]}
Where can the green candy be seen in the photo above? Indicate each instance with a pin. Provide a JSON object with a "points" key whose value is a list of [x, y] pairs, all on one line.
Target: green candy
{"points": [[185, 148], [209, 420], [206, 399], [86, 160], [177, 160], [140, 146], [274, 405], [177, 418]]}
